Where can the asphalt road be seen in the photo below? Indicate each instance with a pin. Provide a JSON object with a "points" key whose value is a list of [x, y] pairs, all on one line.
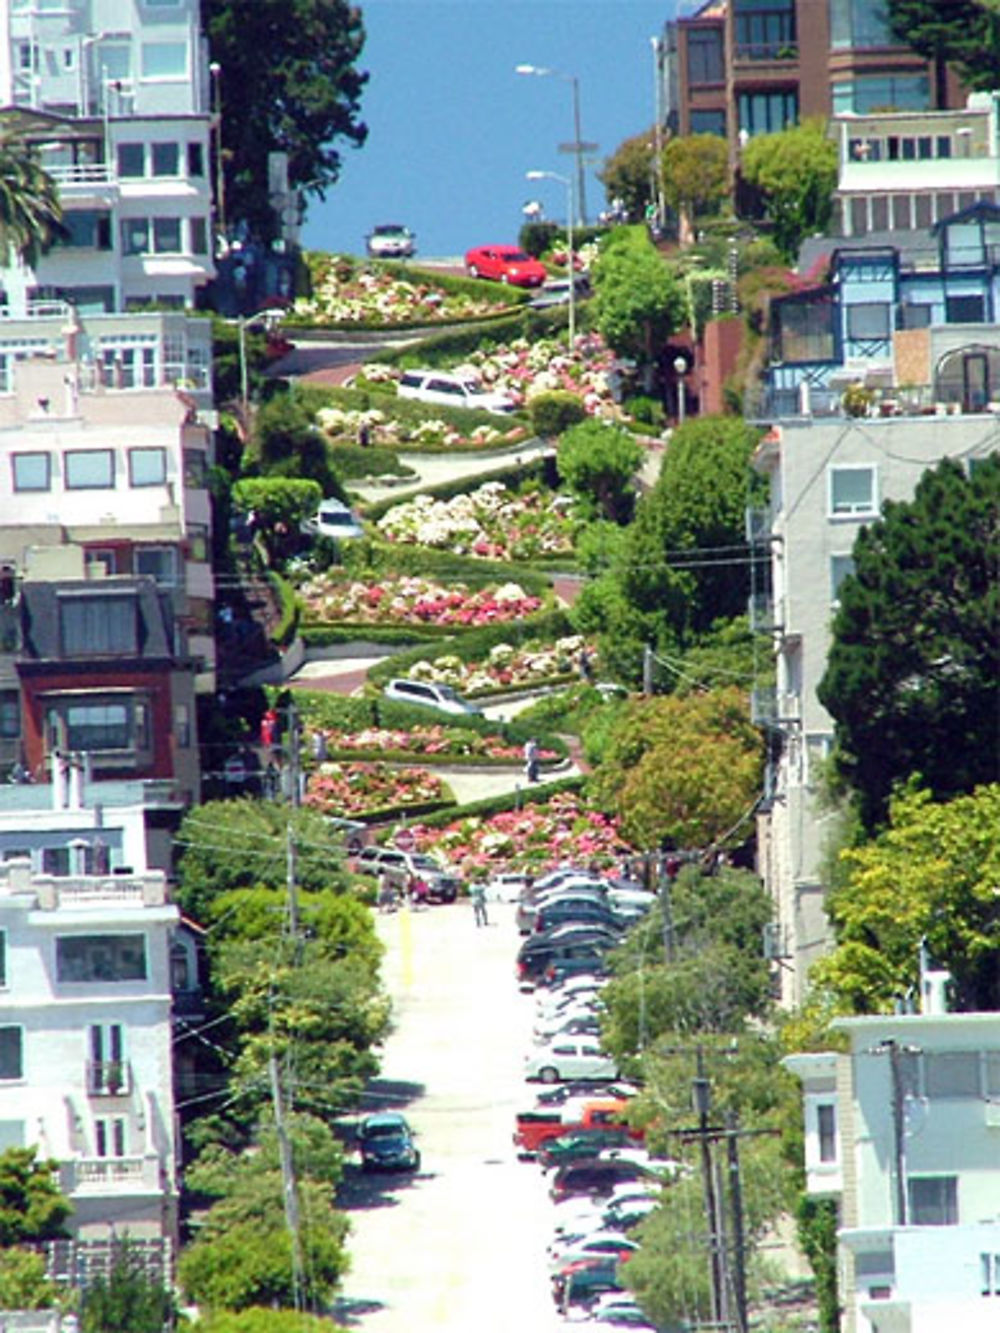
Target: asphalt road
{"points": [[461, 1246]]}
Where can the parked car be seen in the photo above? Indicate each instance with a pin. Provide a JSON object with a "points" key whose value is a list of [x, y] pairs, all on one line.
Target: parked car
{"points": [[579, 1284], [506, 887], [575, 907], [333, 519], [569, 1057], [593, 1177], [429, 694], [599, 1244], [579, 1144], [386, 1142], [616, 1089], [443, 884], [452, 389], [505, 263], [555, 291], [577, 943], [391, 240]]}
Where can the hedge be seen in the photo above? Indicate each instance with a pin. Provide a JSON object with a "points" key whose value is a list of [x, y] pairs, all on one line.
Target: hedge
{"points": [[323, 634], [288, 623], [319, 707], [373, 559], [362, 398], [351, 462], [534, 469], [414, 759], [513, 800], [440, 350], [476, 643]]}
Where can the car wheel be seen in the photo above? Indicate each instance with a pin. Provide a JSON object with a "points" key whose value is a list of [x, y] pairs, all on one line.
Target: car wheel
{"points": [[504, 278], [549, 1074], [473, 271]]}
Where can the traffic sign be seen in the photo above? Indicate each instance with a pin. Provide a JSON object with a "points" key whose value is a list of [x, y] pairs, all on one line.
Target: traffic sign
{"points": [[404, 840]]}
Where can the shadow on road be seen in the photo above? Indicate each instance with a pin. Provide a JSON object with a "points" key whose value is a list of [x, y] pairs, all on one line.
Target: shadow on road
{"points": [[349, 1313], [387, 1094]]}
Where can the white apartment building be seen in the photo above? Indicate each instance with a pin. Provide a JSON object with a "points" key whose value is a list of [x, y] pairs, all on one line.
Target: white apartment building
{"points": [[907, 170], [116, 94], [904, 1131], [828, 478], [85, 1043]]}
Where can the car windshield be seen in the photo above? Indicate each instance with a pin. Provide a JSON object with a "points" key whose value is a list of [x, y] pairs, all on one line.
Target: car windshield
{"points": [[341, 520], [515, 257], [447, 692], [383, 1131], [425, 863], [390, 229]]}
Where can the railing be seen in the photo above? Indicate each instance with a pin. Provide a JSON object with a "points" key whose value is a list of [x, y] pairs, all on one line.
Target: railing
{"points": [[76, 891], [109, 1078], [102, 1175], [775, 50], [83, 173], [37, 310], [762, 612]]}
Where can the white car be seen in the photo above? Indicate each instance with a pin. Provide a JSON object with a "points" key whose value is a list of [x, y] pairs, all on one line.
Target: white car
{"points": [[506, 888], [448, 388], [429, 694], [590, 1246], [333, 519], [391, 240], [568, 1059]]}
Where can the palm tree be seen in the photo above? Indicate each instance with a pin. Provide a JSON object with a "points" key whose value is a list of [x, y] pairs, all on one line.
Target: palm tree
{"points": [[30, 211]]}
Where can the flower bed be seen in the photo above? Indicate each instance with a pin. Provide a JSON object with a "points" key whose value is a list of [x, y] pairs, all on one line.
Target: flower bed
{"points": [[393, 600], [506, 667], [343, 425], [440, 744], [534, 838], [355, 789], [345, 292], [522, 369], [492, 522]]}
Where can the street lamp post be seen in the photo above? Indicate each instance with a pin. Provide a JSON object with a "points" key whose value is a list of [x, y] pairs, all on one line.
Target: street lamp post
{"points": [[577, 147], [680, 369], [265, 319], [570, 254], [657, 45]]}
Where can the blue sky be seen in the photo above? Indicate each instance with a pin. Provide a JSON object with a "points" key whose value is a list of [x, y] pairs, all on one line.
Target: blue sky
{"points": [[452, 129]]}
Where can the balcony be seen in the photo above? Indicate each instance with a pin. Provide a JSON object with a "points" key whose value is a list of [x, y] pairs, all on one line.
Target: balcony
{"points": [[763, 613], [768, 708], [112, 1175], [109, 1078]]}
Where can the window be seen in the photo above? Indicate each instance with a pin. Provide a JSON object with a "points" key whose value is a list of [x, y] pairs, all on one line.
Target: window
{"points": [[11, 1134], [915, 316], [166, 159], [881, 92], [199, 236], [704, 55], [106, 1044], [11, 1053], [195, 159], [709, 122], [195, 468], [852, 490], [840, 567], [826, 1131], [100, 561], [989, 1268], [182, 725], [99, 625], [97, 726], [96, 958], [766, 113], [166, 235], [964, 309], [147, 467], [135, 236], [868, 320], [32, 472], [131, 159], [158, 563], [857, 25], [933, 1201], [951, 1074], [89, 469], [10, 718], [86, 229], [765, 29], [109, 1136], [164, 60]]}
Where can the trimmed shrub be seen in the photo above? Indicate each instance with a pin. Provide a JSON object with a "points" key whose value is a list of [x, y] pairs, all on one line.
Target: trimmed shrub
{"points": [[552, 413]]}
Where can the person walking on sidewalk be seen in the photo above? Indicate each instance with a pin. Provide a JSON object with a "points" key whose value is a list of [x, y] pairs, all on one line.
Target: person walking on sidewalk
{"points": [[531, 760], [478, 895]]}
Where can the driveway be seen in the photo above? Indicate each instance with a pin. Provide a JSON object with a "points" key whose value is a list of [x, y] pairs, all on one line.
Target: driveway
{"points": [[462, 1246]]}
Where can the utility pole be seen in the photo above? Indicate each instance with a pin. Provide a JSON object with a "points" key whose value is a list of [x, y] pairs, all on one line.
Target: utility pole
{"points": [[289, 1187], [647, 670], [666, 864], [702, 1098], [736, 1222]]}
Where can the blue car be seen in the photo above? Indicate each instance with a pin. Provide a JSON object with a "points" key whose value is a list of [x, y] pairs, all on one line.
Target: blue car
{"points": [[386, 1142]]}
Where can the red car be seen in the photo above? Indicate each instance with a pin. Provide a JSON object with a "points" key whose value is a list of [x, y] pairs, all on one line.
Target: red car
{"points": [[505, 263]]}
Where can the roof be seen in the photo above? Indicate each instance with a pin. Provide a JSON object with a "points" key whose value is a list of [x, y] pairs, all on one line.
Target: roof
{"points": [[41, 621]]}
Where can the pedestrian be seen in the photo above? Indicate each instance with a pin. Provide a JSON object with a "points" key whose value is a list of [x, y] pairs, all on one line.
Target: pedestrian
{"points": [[385, 895], [586, 666], [531, 760], [478, 895], [364, 435], [418, 891]]}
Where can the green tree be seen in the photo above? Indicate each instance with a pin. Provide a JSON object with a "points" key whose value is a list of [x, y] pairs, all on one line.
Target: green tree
{"points": [[913, 670], [255, 1319], [227, 845], [628, 174], [30, 211], [682, 770], [695, 174], [639, 302], [795, 171], [686, 558], [23, 1283], [287, 443], [242, 1254], [715, 976], [599, 462], [128, 1300], [963, 33], [288, 83], [31, 1207], [929, 878], [279, 506]]}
